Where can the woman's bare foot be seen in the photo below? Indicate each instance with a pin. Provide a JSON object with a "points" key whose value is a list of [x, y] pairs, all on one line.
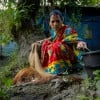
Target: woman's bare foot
{"points": [[44, 79]]}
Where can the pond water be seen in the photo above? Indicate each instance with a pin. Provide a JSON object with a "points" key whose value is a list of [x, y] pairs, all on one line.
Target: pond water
{"points": [[9, 48]]}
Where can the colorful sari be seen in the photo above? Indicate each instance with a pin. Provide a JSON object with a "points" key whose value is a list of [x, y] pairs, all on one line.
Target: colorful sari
{"points": [[60, 53]]}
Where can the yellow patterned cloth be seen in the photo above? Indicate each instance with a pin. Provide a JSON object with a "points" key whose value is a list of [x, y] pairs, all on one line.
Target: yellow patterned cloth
{"points": [[60, 53]]}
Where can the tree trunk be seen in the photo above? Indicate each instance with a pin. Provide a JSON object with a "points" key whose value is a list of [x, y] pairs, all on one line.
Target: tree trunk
{"points": [[27, 33], [24, 44]]}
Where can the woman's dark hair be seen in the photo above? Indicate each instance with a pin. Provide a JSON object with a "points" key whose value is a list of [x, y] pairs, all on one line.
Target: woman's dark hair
{"points": [[56, 12]]}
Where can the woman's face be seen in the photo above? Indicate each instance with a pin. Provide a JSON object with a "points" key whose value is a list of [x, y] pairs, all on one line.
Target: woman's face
{"points": [[55, 22]]}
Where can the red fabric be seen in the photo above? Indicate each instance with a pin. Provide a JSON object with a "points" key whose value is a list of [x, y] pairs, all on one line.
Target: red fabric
{"points": [[55, 48]]}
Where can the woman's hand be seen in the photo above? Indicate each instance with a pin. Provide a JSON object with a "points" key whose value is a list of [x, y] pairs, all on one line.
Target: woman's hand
{"points": [[40, 41], [81, 45]]}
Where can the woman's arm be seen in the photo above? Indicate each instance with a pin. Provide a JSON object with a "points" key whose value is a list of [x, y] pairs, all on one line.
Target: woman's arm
{"points": [[49, 38]]}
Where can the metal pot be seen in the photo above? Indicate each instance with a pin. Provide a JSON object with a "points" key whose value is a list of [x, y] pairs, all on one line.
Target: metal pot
{"points": [[91, 59]]}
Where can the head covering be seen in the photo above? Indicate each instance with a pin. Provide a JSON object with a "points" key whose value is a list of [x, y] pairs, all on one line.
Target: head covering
{"points": [[56, 12]]}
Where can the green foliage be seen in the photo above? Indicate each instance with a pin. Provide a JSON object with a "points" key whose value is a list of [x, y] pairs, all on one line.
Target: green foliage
{"points": [[97, 74], [91, 85], [97, 78], [90, 2], [98, 98], [76, 2], [88, 83], [9, 16], [12, 16], [5, 83], [6, 73], [84, 97]]}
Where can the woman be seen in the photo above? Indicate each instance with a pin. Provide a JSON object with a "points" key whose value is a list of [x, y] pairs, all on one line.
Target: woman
{"points": [[55, 55], [58, 52]]}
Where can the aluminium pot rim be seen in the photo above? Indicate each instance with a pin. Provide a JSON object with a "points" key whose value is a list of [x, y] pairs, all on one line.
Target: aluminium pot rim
{"points": [[91, 52]]}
